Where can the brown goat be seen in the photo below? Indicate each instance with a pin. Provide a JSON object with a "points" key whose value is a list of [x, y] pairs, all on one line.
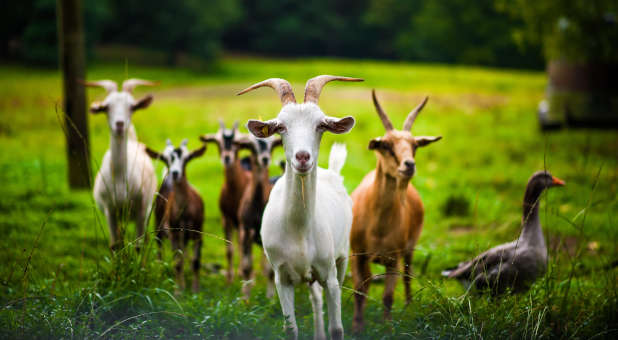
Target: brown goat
{"points": [[252, 206], [236, 179], [388, 213], [183, 211]]}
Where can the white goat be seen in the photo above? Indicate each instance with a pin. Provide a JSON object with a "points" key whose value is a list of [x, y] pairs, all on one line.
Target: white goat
{"points": [[306, 223], [126, 183]]}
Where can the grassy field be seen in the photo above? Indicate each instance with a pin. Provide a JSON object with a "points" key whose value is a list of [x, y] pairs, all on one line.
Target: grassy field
{"points": [[59, 280]]}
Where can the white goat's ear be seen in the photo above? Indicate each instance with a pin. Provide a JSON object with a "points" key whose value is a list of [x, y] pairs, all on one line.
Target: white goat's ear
{"points": [[98, 107], [264, 129], [337, 126], [426, 140], [142, 103]]}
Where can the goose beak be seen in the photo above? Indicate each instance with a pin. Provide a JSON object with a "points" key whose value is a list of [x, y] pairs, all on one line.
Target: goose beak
{"points": [[557, 181]]}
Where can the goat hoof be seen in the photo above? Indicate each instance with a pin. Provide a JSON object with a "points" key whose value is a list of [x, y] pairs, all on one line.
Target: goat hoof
{"points": [[116, 246], [336, 334], [357, 326]]}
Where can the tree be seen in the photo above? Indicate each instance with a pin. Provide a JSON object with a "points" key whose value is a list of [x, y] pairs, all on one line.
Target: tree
{"points": [[571, 29], [189, 26]]}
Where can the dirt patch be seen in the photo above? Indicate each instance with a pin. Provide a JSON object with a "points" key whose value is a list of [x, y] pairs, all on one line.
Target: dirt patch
{"points": [[460, 229]]}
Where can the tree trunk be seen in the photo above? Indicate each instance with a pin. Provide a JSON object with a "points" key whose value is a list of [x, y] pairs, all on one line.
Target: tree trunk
{"points": [[72, 63]]}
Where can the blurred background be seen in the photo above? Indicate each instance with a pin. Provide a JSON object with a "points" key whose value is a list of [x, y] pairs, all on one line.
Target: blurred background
{"points": [[514, 34]]}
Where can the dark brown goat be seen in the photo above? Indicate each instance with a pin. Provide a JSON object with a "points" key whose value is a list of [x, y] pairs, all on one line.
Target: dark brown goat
{"points": [[252, 204], [236, 179], [183, 211]]}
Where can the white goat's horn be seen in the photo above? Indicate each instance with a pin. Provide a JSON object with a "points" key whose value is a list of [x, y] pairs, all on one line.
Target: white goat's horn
{"points": [[282, 86], [108, 85], [385, 121], [407, 125], [129, 84], [314, 86]]}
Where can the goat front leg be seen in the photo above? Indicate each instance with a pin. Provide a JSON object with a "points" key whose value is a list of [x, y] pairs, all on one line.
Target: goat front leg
{"points": [[196, 263], [333, 296], [177, 247], [141, 223], [362, 278], [407, 274], [267, 271], [315, 295], [285, 290], [229, 248], [390, 281], [246, 259], [115, 242]]}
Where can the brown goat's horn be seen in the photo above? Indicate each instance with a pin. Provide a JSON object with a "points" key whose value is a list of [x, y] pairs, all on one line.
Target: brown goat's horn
{"points": [[108, 85], [129, 84], [314, 86], [385, 121], [282, 87], [407, 125]]}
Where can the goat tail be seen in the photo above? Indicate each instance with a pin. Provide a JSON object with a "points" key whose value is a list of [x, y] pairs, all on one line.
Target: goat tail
{"points": [[338, 154]]}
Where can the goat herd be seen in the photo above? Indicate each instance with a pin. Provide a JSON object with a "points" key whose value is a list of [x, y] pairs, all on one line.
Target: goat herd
{"points": [[305, 221]]}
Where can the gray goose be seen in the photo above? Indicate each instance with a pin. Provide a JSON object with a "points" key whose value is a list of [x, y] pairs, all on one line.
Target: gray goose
{"points": [[515, 264]]}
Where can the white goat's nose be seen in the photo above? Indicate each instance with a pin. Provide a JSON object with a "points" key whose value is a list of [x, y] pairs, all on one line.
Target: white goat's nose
{"points": [[302, 156], [120, 125]]}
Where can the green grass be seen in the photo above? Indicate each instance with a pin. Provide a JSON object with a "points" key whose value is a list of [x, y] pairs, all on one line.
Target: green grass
{"points": [[58, 278]]}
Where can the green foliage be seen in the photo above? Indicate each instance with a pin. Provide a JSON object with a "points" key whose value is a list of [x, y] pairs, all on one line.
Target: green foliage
{"points": [[452, 31], [571, 29], [192, 27], [39, 39], [59, 279]]}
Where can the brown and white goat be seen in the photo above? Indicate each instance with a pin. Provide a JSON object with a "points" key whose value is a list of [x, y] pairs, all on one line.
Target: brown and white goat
{"points": [[388, 212], [236, 179], [252, 206], [183, 210]]}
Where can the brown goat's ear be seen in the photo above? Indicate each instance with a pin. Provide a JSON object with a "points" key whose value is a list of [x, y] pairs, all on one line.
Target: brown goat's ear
{"points": [[98, 107], [197, 153], [243, 142], [153, 154], [426, 140], [209, 138], [375, 143], [142, 103], [337, 126], [264, 129], [277, 142]]}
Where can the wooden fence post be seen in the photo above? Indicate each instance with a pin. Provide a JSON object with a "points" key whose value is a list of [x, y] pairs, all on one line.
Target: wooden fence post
{"points": [[72, 63]]}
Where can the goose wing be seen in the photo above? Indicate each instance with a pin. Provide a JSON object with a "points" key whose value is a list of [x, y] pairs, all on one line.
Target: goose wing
{"points": [[482, 263]]}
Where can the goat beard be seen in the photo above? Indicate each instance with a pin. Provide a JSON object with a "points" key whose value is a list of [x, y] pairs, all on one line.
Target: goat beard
{"points": [[302, 190]]}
